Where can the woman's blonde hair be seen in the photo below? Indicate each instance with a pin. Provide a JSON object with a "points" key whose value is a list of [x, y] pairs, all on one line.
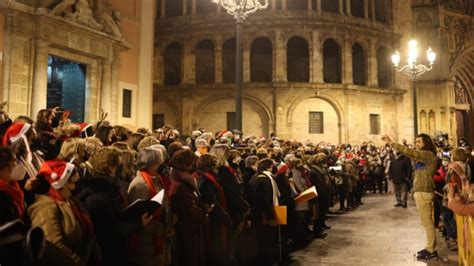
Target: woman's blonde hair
{"points": [[72, 149], [221, 151], [92, 144], [103, 160]]}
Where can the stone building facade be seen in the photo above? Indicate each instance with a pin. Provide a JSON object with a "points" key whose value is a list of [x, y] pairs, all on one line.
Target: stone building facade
{"points": [[314, 69], [112, 39]]}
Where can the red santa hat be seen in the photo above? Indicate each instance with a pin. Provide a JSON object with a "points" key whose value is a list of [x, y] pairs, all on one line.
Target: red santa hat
{"points": [[86, 129], [57, 172], [15, 132]]}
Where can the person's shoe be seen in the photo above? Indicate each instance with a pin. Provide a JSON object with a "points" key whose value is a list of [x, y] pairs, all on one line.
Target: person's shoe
{"points": [[404, 206], [320, 235], [422, 251], [398, 205], [426, 255], [326, 227]]}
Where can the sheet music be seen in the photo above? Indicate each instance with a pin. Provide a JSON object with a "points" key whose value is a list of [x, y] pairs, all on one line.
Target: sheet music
{"points": [[159, 197]]}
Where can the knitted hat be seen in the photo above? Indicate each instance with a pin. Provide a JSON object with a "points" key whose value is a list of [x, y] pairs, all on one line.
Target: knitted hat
{"points": [[57, 172], [15, 132]]}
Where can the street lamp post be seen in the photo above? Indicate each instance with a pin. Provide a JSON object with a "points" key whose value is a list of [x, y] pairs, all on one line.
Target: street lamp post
{"points": [[240, 9], [414, 70]]}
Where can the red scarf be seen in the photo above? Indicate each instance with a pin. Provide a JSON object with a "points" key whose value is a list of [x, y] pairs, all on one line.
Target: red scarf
{"points": [[16, 194], [165, 183], [213, 180], [223, 203]]}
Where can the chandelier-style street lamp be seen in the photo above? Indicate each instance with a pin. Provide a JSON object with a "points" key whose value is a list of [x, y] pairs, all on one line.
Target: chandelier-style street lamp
{"points": [[414, 70], [240, 9]]}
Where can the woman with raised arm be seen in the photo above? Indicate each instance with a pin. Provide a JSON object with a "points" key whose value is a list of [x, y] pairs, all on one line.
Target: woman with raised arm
{"points": [[424, 156]]}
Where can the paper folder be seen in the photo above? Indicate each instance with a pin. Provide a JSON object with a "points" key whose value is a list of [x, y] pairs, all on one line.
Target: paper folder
{"points": [[280, 215], [307, 195]]}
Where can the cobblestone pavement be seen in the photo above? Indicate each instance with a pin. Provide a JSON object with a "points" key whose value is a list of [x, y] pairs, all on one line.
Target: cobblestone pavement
{"points": [[376, 233]]}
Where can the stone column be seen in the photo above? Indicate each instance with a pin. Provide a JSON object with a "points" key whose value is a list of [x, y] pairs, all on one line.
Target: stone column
{"points": [[283, 5], [144, 99], [274, 5], [189, 63], [348, 7], [372, 64], [366, 9], [280, 58], [40, 76], [185, 7], [318, 6], [372, 9], [106, 85], [341, 6], [194, 7], [317, 58], [163, 8], [309, 5], [218, 61], [115, 70], [246, 63], [347, 62]]}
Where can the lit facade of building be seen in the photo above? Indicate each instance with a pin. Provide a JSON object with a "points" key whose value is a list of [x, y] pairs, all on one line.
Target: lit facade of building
{"points": [[314, 69]]}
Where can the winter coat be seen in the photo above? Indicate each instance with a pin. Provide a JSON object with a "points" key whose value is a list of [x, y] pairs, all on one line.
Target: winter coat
{"points": [[102, 199], [143, 243], [8, 211], [400, 169], [318, 176], [66, 235], [192, 217], [261, 192], [300, 185], [233, 190]]}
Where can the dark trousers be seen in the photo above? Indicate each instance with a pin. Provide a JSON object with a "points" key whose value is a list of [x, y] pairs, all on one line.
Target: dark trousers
{"points": [[267, 244], [401, 193], [449, 223], [438, 205], [341, 191]]}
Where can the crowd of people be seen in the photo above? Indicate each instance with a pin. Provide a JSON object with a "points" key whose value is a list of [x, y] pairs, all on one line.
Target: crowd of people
{"points": [[64, 188]]}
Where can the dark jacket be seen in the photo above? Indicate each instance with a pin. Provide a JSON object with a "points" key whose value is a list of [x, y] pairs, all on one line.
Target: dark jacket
{"points": [[317, 176], [261, 198], [8, 211], [400, 169], [233, 190], [102, 199], [192, 217]]}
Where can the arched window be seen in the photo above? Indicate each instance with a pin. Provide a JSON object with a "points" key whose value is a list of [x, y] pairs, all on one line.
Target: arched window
{"points": [[382, 10], [204, 7], [173, 8], [228, 61], [298, 60], [173, 59], [205, 62], [332, 71], [261, 60], [358, 65], [357, 8], [384, 67], [330, 6], [297, 5]]}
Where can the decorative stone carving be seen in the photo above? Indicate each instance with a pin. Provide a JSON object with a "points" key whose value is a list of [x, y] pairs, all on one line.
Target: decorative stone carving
{"points": [[97, 14], [460, 93], [462, 6], [458, 30]]}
